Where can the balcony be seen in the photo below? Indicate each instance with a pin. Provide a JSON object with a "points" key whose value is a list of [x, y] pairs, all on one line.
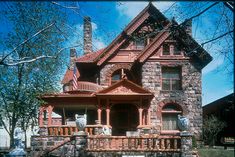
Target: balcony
{"points": [[83, 86], [88, 86]]}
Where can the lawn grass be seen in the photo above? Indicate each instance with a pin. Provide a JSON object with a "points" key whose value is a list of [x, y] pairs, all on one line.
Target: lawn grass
{"points": [[215, 152]]}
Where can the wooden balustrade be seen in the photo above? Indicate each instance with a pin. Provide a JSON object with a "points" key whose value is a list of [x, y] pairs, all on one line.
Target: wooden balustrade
{"points": [[66, 130], [117, 143], [88, 86]]}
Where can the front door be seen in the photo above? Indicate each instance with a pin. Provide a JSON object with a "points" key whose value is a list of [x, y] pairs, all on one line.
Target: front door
{"points": [[123, 117]]}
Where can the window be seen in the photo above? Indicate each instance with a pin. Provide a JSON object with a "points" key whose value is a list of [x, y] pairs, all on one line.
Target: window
{"points": [[170, 114], [176, 50], [140, 44], [116, 76], [166, 49], [119, 74], [171, 78]]}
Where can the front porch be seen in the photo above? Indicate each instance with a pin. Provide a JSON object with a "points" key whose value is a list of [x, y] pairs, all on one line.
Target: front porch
{"points": [[51, 141]]}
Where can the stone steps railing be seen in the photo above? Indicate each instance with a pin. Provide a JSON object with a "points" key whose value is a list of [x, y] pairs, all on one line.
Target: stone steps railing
{"points": [[142, 143]]}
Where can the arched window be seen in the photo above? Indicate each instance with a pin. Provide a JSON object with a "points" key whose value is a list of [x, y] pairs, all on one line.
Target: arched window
{"points": [[119, 74], [170, 114]]}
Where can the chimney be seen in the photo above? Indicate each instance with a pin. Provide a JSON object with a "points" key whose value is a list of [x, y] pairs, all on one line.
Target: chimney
{"points": [[72, 58], [87, 30], [188, 26]]}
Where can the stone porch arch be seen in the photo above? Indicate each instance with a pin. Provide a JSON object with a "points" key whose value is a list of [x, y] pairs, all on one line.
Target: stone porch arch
{"points": [[114, 68]]}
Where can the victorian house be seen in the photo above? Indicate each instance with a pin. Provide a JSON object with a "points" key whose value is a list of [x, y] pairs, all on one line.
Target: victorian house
{"points": [[138, 85]]}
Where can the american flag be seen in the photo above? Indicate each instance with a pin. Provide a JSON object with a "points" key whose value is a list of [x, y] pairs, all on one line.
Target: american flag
{"points": [[75, 84]]}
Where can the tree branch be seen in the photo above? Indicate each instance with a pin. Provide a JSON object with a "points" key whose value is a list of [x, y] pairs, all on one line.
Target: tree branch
{"points": [[217, 38], [68, 7], [42, 30], [200, 12], [28, 60]]}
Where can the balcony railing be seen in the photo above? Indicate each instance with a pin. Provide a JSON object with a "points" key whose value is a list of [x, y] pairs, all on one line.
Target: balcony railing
{"points": [[123, 143], [88, 86], [67, 130]]}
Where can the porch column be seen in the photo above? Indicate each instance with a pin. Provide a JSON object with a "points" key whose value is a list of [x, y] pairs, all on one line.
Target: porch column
{"points": [[149, 117], [99, 114], [50, 108], [140, 116], [108, 116], [40, 120]]}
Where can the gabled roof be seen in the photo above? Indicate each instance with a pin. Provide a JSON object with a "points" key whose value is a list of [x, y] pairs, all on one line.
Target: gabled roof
{"points": [[155, 44], [69, 76], [219, 104], [192, 48], [88, 58], [131, 27], [124, 87]]}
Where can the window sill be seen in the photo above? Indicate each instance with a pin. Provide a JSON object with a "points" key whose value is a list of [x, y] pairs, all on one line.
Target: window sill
{"points": [[171, 91]]}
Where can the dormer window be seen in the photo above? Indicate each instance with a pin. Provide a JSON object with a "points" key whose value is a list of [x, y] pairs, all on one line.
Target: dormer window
{"points": [[166, 49], [140, 43]]}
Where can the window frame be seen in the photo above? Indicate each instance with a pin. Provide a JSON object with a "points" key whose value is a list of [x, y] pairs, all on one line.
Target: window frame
{"points": [[179, 69], [172, 48], [140, 47], [176, 49], [173, 112], [126, 74], [169, 48]]}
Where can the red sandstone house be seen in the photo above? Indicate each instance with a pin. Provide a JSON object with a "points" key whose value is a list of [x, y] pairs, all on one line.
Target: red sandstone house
{"points": [[136, 86]]}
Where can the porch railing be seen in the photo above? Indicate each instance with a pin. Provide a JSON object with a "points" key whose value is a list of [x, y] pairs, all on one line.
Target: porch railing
{"points": [[88, 86], [123, 143], [67, 130]]}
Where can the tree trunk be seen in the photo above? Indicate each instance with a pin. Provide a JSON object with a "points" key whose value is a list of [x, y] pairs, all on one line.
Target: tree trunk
{"points": [[25, 139], [11, 139]]}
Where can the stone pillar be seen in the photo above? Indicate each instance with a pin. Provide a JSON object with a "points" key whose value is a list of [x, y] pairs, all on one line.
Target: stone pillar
{"points": [[186, 144], [108, 116], [80, 145], [40, 119], [50, 108], [149, 117], [87, 30], [43, 131], [140, 116], [99, 114]]}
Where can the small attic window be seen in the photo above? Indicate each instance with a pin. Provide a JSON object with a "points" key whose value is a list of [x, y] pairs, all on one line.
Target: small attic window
{"points": [[166, 49], [176, 50], [140, 43]]}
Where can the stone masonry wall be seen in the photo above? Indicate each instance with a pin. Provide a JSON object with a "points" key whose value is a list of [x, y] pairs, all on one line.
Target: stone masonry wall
{"points": [[108, 69], [189, 98]]}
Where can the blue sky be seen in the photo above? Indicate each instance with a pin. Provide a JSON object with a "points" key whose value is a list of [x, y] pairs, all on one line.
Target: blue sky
{"points": [[110, 18]]}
